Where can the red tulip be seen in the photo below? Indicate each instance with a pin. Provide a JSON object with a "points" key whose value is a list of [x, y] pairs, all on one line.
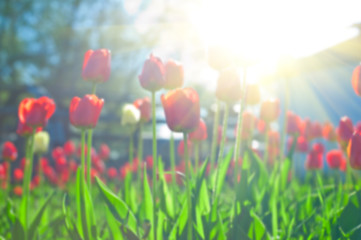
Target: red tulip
{"points": [[69, 148], [200, 133], [145, 107], [18, 174], [314, 160], [356, 80], [78, 150], [25, 130], [344, 131], [9, 152], [294, 123], [270, 110], [96, 65], [354, 150], [253, 95], [329, 132], [182, 110], [358, 126], [57, 152], [84, 113], [334, 158], [2, 172], [152, 76], [104, 151], [61, 164], [273, 146], [124, 170], [36, 112], [261, 126], [174, 75], [73, 166], [112, 173], [229, 86], [181, 148]]}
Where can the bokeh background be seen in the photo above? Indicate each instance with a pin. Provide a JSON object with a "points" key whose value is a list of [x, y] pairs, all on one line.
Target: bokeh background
{"points": [[42, 44]]}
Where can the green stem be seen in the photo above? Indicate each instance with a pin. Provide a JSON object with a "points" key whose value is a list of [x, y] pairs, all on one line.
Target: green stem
{"points": [[94, 87], [131, 147], [215, 135], [27, 177], [284, 127], [89, 163], [237, 147], [155, 161], [8, 180], [189, 189], [265, 157], [196, 155], [172, 158], [82, 156], [140, 155], [224, 129]]}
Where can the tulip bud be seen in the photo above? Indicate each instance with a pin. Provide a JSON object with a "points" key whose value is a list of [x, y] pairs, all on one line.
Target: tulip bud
{"points": [[248, 124], [229, 86], [356, 80], [174, 75], [96, 65], [152, 76], [270, 110], [41, 142], [130, 115], [344, 131], [182, 109], [293, 123], [145, 107], [9, 152], [354, 150]]}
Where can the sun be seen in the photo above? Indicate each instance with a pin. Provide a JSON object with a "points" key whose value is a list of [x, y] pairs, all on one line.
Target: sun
{"points": [[266, 31]]}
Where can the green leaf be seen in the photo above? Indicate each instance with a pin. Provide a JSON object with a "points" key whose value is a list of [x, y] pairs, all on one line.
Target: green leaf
{"points": [[120, 211], [222, 172], [35, 223], [148, 204], [113, 225], [286, 166], [166, 197], [18, 231]]}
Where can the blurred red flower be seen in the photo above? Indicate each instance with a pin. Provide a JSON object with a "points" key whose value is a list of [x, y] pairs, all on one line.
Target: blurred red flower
{"points": [[356, 80], [36, 112], [18, 174], [174, 75], [294, 123], [96, 65], [344, 131], [84, 113], [182, 109], [200, 133], [69, 148], [152, 76], [112, 173], [314, 160], [354, 150], [104, 151], [181, 148], [335, 158], [329, 132], [270, 110], [145, 107], [9, 151]]}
